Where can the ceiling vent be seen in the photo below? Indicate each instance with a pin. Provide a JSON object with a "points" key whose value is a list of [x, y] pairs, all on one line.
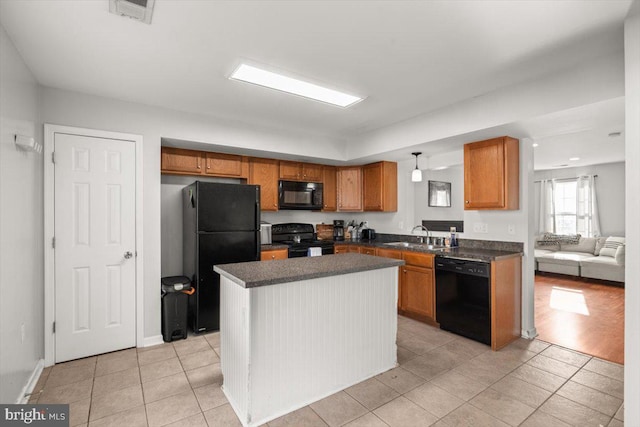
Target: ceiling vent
{"points": [[140, 10]]}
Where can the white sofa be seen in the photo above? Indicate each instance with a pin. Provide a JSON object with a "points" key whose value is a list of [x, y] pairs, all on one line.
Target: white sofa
{"points": [[595, 258]]}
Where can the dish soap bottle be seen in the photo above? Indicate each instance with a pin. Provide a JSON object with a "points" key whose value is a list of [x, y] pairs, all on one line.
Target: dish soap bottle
{"points": [[453, 241]]}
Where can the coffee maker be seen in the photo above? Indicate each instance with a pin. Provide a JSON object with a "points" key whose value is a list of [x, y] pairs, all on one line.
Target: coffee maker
{"points": [[338, 230]]}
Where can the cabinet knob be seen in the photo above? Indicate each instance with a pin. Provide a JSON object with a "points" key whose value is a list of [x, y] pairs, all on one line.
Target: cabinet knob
{"points": [[275, 205], [466, 201], [404, 271], [273, 257]]}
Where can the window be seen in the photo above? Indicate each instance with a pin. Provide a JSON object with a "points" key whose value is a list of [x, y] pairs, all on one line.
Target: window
{"points": [[566, 217], [569, 206]]}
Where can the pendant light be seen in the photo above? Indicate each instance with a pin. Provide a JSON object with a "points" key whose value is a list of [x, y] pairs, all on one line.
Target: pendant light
{"points": [[416, 175]]}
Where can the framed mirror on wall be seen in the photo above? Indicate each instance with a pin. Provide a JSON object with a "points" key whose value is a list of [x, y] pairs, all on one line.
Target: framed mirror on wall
{"points": [[439, 194]]}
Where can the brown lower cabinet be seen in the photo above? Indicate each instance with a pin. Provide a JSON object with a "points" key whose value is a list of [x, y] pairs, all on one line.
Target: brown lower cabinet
{"points": [[274, 254]]}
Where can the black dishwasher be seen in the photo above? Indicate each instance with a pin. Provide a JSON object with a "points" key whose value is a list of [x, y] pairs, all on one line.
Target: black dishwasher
{"points": [[463, 298]]}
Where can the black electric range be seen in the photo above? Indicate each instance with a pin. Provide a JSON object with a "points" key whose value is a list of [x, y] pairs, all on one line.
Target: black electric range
{"points": [[299, 238]]}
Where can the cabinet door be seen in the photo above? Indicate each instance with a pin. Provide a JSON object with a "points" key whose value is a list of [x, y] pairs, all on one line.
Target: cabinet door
{"points": [[329, 191], [265, 172], [274, 254], [177, 160], [290, 171], [311, 172], [349, 180], [417, 291], [230, 165], [491, 174], [380, 187]]}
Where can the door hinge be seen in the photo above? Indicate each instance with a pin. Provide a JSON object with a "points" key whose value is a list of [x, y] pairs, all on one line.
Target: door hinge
{"points": [[53, 242], [53, 157], [54, 327]]}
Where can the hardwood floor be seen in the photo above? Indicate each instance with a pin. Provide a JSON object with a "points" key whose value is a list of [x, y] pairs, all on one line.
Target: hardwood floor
{"points": [[582, 315]]}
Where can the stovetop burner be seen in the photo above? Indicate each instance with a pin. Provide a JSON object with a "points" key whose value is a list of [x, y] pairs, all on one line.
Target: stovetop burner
{"points": [[299, 238]]}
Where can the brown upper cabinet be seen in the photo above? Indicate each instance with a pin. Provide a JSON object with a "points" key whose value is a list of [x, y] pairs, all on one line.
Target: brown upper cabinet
{"points": [[297, 171], [329, 194], [179, 161], [492, 174], [380, 187], [229, 165], [264, 172], [349, 187]]}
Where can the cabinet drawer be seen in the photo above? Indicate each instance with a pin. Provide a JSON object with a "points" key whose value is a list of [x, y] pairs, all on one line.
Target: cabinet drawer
{"points": [[274, 254], [418, 259], [367, 250]]}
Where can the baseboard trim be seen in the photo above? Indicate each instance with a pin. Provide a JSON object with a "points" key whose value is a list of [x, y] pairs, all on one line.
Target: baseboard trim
{"points": [[23, 397], [151, 341], [529, 333]]}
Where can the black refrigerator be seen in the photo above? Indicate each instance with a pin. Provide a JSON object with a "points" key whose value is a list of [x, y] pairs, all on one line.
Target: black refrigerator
{"points": [[221, 225]]}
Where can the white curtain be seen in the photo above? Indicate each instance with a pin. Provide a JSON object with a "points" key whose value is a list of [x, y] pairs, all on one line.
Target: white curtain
{"points": [[546, 218], [588, 221]]}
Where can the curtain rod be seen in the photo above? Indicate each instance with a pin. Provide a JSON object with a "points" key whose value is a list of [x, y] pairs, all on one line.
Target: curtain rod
{"points": [[564, 179]]}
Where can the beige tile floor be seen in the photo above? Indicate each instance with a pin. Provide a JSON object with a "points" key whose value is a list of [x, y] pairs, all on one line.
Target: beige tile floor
{"points": [[443, 380]]}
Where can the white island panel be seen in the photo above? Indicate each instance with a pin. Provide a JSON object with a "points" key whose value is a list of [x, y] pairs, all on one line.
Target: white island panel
{"points": [[287, 345]]}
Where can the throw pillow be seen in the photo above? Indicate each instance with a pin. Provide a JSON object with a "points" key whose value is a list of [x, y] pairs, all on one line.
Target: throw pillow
{"points": [[599, 245], [620, 255], [611, 246]]}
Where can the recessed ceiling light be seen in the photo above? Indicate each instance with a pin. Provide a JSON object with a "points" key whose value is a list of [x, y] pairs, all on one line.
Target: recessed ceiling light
{"points": [[615, 134], [260, 77], [535, 145], [573, 159]]}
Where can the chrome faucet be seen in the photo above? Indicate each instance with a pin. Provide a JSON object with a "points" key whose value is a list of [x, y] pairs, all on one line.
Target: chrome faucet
{"points": [[421, 227]]}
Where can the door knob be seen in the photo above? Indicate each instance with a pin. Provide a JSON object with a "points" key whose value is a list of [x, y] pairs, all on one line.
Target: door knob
{"points": [[127, 255]]}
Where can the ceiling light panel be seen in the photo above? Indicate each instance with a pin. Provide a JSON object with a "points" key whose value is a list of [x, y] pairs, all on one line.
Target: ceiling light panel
{"points": [[260, 77]]}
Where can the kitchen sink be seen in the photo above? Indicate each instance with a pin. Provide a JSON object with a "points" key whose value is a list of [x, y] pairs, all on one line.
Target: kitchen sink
{"points": [[399, 244], [416, 245]]}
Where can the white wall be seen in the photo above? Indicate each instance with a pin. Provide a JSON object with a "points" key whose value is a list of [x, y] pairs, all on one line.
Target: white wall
{"points": [[153, 123], [610, 192], [423, 211], [21, 226], [632, 269]]}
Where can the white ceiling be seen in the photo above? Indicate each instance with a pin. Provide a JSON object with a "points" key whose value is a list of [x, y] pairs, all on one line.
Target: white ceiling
{"points": [[406, 58]]}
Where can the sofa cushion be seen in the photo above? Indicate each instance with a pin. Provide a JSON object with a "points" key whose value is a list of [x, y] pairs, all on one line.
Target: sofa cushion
{"points": [[599, 244], [539, 252], [611, 246], [564, 258], [620, 255], [602, 267], [548, 245], [585, 244]]}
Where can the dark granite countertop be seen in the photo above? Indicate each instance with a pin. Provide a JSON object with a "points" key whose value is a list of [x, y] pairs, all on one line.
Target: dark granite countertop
{"points": [[258, 273], [466, 253], [273, 247]]}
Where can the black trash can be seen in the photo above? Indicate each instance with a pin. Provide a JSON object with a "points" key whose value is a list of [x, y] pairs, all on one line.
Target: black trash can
{"points": [[175, 305]]}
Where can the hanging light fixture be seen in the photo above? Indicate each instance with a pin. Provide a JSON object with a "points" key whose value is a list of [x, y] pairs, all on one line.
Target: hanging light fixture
{"points": [[416, 175]]}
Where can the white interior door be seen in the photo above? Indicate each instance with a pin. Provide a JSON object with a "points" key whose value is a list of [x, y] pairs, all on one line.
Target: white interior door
{"points": [[95, 278]]}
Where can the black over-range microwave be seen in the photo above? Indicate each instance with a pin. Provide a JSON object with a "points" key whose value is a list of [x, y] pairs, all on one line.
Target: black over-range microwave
{"points": [[300, 195]]}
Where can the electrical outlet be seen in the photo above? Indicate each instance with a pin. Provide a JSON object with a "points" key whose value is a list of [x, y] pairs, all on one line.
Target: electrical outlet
{"points": [[401, 225], [511, 229], [477, 227], [23, 332], [485, 228]]}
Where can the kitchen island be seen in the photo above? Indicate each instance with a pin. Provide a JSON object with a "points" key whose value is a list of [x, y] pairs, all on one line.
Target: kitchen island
{"points": [[297, 330]]}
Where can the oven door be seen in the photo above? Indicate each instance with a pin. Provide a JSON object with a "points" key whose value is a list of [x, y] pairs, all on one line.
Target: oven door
{"points": [[294, 195]]}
